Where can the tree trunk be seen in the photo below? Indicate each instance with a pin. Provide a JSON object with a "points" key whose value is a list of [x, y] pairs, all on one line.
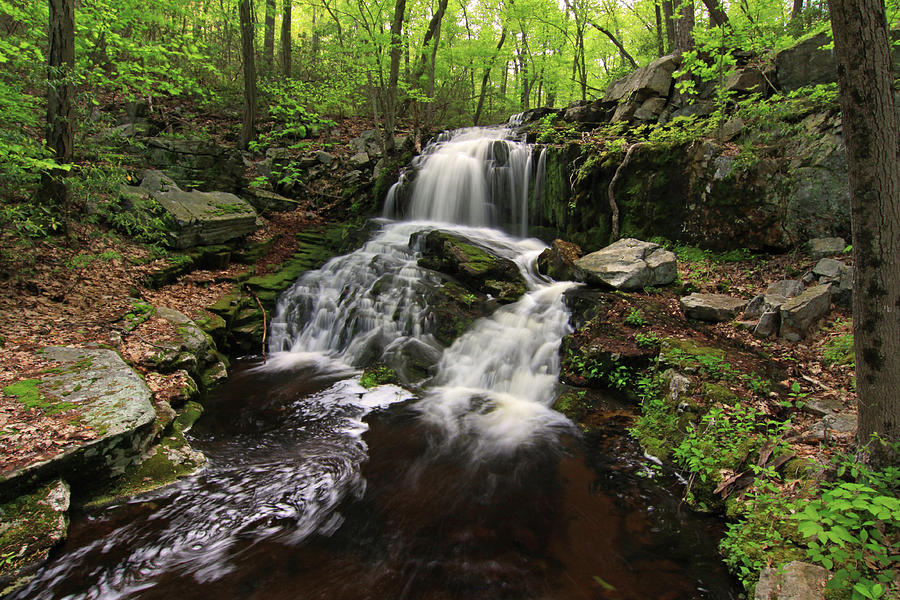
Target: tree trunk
{"points": [[684, 27], [60, 59], [286, 39], [248, 129], [269, 37], [660, 38], [390, 105], [717, 16], [669, 18], [617, 44], [487, 75], [872, 135]]}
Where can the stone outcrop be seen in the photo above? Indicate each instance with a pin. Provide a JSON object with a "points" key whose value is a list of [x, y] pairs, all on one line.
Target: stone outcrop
{"points": [[557, 260], [473, 265], [198, 164], [195, 218], [795, 581], [822, 247], [714, 308], [628, 264], [108, 397], [642, 94], [800, 313], [193, 351]]}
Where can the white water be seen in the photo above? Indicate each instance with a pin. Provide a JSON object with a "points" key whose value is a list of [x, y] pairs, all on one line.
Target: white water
{"points": [[496, 382]]}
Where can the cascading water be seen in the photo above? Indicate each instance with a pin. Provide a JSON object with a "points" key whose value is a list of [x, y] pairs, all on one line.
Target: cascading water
{"points": [[497, 380]]}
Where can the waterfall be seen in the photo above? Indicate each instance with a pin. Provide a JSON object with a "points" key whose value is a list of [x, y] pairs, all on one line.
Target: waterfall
{"points": [[497, 380]]}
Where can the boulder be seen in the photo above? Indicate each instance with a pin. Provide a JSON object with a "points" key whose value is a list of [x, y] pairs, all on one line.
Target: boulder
{"points": [[829, 268], [655, 79], [198, 163], [747, 81], [628, 264], [713, 308], [473, 265], [798, 314], [360, 160], [843, 295], [197, 218], [557, 260], [650, 109], [30, 527], [326, 158], [755, 307], [806, 63], [795, 581], [107, 396], [265, 201], [767, 324], [586, 112], [841, 424], [193, 351], [822, 247]]}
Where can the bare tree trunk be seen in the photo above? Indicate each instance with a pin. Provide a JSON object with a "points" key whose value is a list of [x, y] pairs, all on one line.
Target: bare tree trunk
{"points": [[660, 36], [60, 90], [269, 37], [390, 105], [684, 27], [717, 16], [616, 43], [872, 134], [487, 75], [669, 18], [286, 39], [248, 129]]}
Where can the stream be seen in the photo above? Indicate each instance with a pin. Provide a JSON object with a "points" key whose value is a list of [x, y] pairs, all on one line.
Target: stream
{"points": [[466, 484]]}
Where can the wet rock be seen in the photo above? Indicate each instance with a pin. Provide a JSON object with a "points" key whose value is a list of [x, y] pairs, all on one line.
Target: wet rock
{"points": [[108, 397], [30, 527], [628, 264], [798, 314], [557, 260], [795, 581], [829, 268], [713, 308], [822, 247], [473, 265]]}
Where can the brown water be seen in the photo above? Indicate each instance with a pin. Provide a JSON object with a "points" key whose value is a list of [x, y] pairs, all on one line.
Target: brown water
{"points": [[315, 490]]}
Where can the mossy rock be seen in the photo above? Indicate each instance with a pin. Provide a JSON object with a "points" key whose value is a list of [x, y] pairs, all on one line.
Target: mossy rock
{"points": [[573, 405], [376, 375], [713, 393], [686, 355], [30, 526]]}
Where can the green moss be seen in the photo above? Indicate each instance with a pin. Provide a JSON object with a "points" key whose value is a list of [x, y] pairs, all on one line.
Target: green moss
{"points": [[839, 351], [376, 375], [573, 405], [30, 529], [713, 393], [28, 393]]}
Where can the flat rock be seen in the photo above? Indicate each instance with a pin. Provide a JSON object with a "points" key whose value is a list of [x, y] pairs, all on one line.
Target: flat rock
{"points": [[798, 314], [833, 424], [822, 407], [822, 247], [787, 288], [108, 398], [628, 264], [795, 581], [713, 308], [829, 268], [207, 218]]}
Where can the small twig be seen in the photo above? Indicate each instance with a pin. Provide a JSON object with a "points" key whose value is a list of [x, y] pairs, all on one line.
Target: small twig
{"points": [[816, 382], [265, 328]]}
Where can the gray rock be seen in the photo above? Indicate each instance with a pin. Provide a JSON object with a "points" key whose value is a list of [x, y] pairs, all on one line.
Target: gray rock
{"points": [[830, 268], [326, 158], [822, 407], [731, 129], [112, 402], [748, 81], [654, 79], [768, 324], [206, 218], [713, 308], [678, 385], [822, 247], [198, 164], [833, 424], [755, 307], [795, 581], [808, 278], [650, 109], [265, 201], [360, 160], [806, 63], [628, 264], [843, 295], [798, 314], [585, 112], [786, 288]]}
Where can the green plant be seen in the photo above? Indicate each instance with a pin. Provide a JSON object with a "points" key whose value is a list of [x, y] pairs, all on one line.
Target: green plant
{"points": [[377, 375], [647, 340], [635, 318], [839, 351]]}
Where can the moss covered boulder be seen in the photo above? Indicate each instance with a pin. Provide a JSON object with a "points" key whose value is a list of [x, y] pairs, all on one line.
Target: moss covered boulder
{"points": [[474, 265]]}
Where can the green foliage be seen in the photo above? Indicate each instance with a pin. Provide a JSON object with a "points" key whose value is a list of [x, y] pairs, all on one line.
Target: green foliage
{"points": [[140, 217], [635, 318], [839, 351], [647, 340], [376, 375]]}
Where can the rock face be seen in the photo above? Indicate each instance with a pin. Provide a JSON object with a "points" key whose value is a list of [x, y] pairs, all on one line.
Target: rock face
{"points": [[822, 247], [194, 352], [557, 260], [653, 80], [473, 265], [197, 218], [628, 264], [112, 402], [713, 308], [198, 164], [796, 581], [798, 314], [806, 63]]}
